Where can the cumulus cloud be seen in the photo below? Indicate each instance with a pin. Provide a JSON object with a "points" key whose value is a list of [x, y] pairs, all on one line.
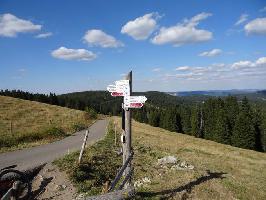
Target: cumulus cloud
{"points": [[11, 25], [97, 37], [156, 69], [260, 62], [183, 68], [256, 26], [239, 71], [44, 35], [242, 19], [242, 64], [213, 52], [73, 54], [184, 33], [142, 27]]}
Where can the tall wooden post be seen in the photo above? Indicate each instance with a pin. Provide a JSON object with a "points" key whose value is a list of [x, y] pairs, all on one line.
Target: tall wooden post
{"points": [[127, 145]]}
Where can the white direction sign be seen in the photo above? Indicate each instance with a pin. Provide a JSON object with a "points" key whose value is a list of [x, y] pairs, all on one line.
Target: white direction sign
{"points": [[135, 99], [112, 88], [121, 88]]}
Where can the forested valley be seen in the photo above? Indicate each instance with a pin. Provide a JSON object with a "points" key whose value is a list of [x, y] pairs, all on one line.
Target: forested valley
{"points": [[235, 120]]}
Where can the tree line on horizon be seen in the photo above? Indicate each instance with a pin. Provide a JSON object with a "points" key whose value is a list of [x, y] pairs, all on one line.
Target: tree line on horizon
{"points": [[228, 121]]}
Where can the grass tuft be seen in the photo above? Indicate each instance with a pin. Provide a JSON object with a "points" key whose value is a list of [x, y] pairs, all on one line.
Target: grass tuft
{"points": [[99, 165]]}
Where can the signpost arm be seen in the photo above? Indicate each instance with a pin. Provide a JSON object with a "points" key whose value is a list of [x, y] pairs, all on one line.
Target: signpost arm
{"points": [[128, 148]]}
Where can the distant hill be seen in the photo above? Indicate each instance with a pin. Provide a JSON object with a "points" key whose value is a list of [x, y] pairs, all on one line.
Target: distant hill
{"points": [[214, 92], [196, 96]]}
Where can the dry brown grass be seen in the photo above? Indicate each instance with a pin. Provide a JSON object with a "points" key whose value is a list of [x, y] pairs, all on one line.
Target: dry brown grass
{"points": [[29, 117], [221, 171]]}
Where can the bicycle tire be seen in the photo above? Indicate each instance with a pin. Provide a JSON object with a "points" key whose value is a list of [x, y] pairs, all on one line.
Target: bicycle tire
{"points": [[22, 178]]}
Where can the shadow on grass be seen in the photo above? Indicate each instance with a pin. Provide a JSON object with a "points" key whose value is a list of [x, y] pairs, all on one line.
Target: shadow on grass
{"points": [[169, 193]]}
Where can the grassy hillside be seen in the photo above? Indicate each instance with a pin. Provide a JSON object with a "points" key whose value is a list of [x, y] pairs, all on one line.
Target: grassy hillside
{"points": [[34, 123], [220, 171]]}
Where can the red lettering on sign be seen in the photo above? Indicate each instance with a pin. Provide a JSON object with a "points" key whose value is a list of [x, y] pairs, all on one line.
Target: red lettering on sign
{"points": [[136, 105], [117, 94]]}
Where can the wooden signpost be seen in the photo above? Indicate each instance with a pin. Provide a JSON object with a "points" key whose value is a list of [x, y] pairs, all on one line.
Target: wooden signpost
{"points": [[127, 145], [124, 88]]}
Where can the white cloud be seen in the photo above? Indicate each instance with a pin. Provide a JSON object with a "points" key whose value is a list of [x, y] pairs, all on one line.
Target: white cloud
{"points": [[213, 52], [142, 27], [183, 68], [218, 65], [10, 26], [221, 71], [263, 9], [44, 35], [184, 33], [73, 54], [97, 37], [260, 62], [188, 76], [242, 64], [242, 19], [256, 26], [156, 69]]}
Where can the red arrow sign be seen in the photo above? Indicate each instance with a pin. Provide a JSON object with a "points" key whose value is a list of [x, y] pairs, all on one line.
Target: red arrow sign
{"points": [[136, 105], [117, 94]]}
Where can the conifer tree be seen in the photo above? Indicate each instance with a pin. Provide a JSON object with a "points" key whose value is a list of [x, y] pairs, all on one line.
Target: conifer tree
{"points": [[244, 132], [185, 115], [195, 121], [257, 122], [154, 118], [221, 130]]}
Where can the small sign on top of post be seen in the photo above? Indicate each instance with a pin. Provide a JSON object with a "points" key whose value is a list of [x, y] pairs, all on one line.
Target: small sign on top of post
{"points": [[122, 88]]}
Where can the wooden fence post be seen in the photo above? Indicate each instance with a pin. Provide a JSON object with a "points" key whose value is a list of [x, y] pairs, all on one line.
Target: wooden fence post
{"points": [[83, 146], [11, 127], [115, 133]]}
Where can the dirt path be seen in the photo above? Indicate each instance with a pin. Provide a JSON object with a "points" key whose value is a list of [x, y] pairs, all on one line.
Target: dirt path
{"points": [[50, 183]]}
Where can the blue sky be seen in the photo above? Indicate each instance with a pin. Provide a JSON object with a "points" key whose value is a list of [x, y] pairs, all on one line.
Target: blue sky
{"points": [[66, 46]]}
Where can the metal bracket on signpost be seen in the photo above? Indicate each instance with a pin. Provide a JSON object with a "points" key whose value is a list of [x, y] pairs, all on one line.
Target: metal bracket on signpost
{"points": [[123, 139]]}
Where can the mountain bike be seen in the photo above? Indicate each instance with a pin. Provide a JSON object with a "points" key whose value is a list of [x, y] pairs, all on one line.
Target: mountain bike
{"points": [[14, 184]]}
